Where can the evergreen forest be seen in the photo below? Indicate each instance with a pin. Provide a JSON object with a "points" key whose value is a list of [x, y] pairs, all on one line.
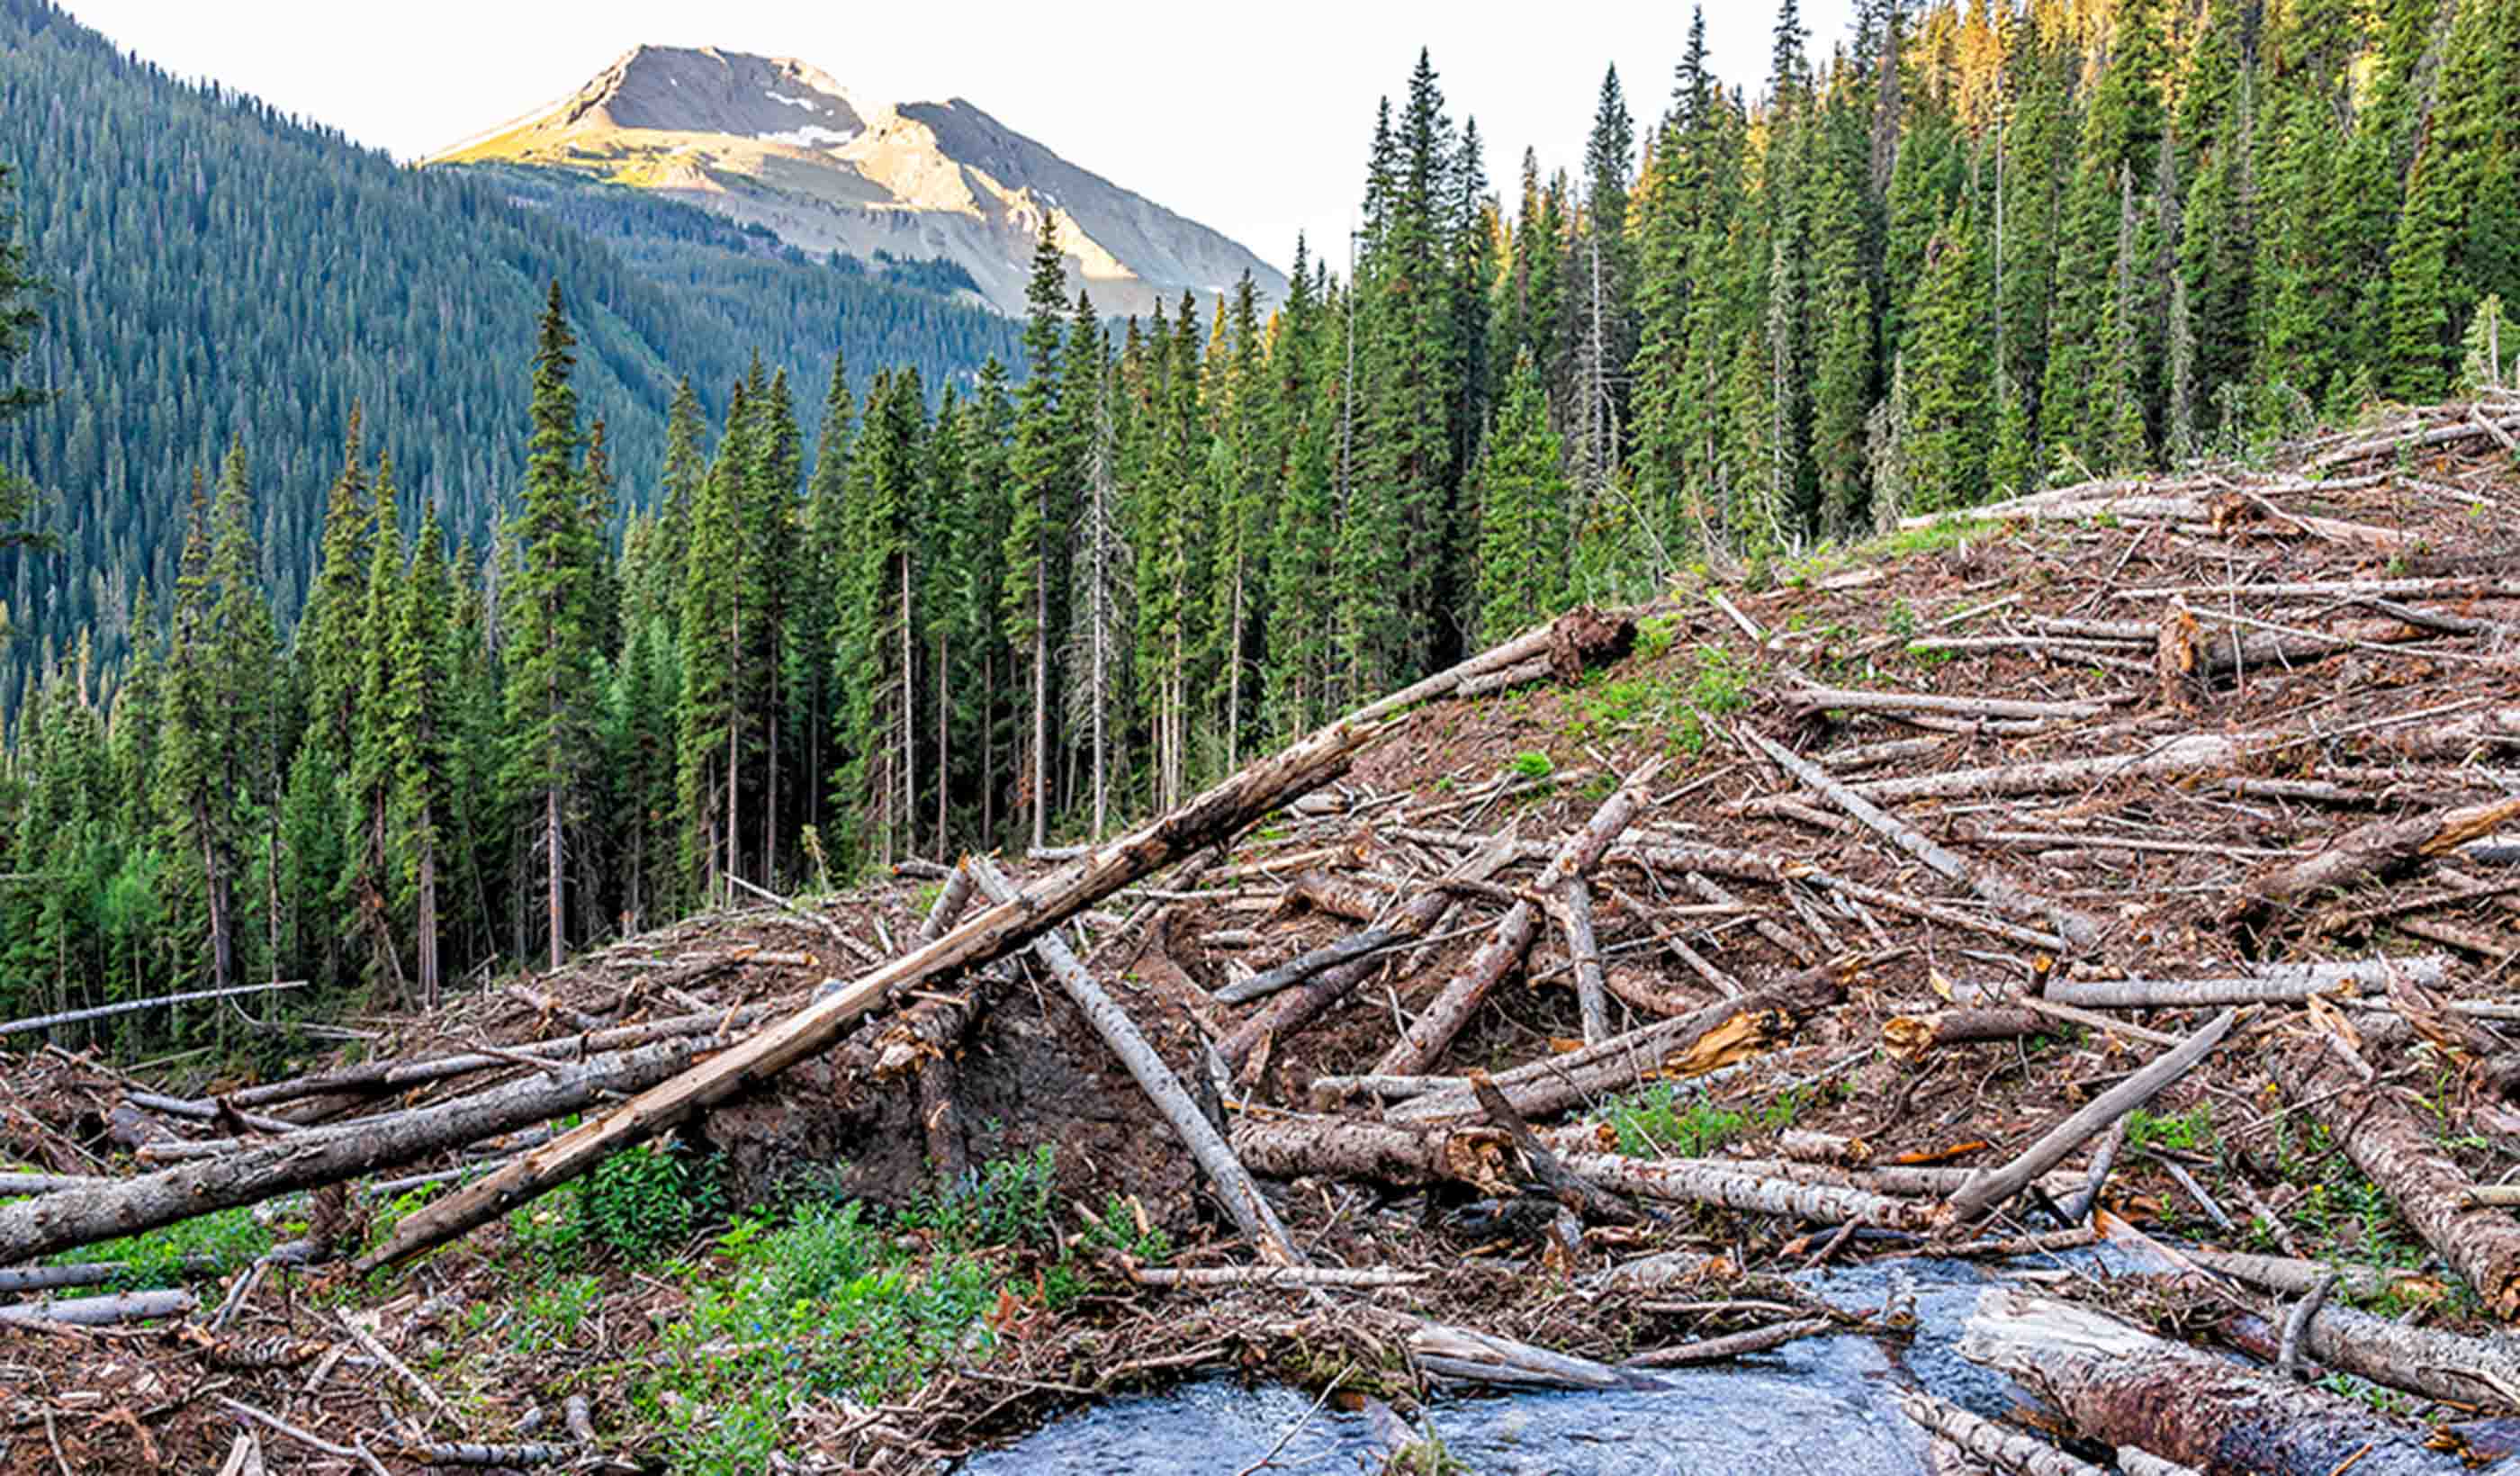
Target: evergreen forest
{"points": [[542, 692]]}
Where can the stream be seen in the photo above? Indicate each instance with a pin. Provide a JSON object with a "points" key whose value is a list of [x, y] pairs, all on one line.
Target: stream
{"points": [[1821, 1407]]}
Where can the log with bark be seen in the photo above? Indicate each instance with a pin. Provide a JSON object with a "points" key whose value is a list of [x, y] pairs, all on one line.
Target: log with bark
{"points": [[1572, 640], [2381, 849], [2120, 1385], [1463, 994], [2397, 1153], [2001, 1445]]}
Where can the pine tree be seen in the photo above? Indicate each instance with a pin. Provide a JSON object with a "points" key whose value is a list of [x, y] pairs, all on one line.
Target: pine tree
{"points": [[17, 322], [246, 671], [813, 630], [1521, 495], [191, 763], [1042, 495], [421, 743], [551, 656], [717, 609], [1943, 435], [364, 889]]}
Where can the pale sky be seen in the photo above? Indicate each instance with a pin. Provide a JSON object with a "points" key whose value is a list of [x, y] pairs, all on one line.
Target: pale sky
{"points": [[1254, 120]]}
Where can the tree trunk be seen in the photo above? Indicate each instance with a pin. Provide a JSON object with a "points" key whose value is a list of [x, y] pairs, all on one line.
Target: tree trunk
{"points": [[2118, 1385], [2386, 1143], [551, 842]]}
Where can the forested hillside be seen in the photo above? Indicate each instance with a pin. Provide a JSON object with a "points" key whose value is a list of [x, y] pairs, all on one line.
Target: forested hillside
{"points": [[1964, 254], [220, 271]]}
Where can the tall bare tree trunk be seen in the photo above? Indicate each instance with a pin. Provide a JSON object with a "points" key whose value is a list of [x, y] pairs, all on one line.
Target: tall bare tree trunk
{"points": [[425, 923], [944, 746], [909, 719], [1041, 713], [551, 840]]}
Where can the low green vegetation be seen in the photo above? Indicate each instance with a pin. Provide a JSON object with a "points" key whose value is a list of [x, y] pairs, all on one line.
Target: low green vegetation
{"points": [[1675, 704], [1654, 1122], [201, 1248]]}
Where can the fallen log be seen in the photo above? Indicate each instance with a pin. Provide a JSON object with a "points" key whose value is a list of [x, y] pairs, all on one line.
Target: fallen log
{"points": [[2003, 1446], [2010, 896], [100, 1312], [129, 1006], [1466, 991], [2425, 1360], [1992, 1189], [2271, 984], [377, 1078], [1572, 1190], [1292, 1146], [1831, 698], [2291, 1276], [127, 1206], [2376, 850], [2122, 1386], [1251, 1214], [1573, 904], [1460, 1356], [1730, 1345], [2384, 1140], [1912, 1037]]}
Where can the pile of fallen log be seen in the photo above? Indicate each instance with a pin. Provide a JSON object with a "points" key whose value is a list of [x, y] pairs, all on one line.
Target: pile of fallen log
{"points": [[2194, 790]]}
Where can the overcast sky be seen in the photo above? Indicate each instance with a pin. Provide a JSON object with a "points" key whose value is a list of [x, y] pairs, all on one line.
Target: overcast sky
{"points": [[1254, 120]]}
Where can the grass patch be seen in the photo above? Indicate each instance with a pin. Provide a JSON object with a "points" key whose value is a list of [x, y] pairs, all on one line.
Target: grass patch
{"points": [[1713, 683], [1652, 1122], [2192, 1130], [196, 1249]]}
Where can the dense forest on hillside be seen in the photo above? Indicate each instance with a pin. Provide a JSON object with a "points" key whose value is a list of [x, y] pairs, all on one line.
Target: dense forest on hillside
{"points": [[221, 271], [1970, 252]]}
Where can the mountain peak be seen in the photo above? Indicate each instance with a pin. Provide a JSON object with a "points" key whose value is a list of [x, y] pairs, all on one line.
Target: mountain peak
{"points": [[778, 143]]}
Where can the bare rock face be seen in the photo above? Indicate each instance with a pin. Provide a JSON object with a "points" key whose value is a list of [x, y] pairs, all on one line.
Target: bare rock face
{"points": [[773, 141]]}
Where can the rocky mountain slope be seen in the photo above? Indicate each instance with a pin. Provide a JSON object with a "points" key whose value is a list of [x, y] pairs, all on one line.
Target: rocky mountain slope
{"points": [[776, 143]]}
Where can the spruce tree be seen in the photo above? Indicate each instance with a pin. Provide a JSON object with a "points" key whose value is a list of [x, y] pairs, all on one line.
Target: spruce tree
{"points": [[1041, 498], [421, 739], [551, 655], [1521, 494]]}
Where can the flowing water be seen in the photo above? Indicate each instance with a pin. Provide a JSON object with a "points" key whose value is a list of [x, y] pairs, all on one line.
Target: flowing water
{"points": [[1821, 1407]]}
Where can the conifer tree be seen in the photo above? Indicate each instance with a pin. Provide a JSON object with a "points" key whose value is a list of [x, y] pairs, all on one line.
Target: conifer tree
{"points": [[1521, 495], [1943, 435], [813, 628], [254, 695], [717, 611], [364, 890], [550, 650], [1042, 494], [420, 741], [191, 763]]}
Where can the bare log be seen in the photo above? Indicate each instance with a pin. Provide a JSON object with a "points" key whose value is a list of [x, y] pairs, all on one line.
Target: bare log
{"points": [[2002, 1446], [2271, 984], [1339, 897], [2389, 1145], [1730, 1345], [128, 1007], [1683, 1181], [2290, 1276], [1574, 906], [1465, 991], [1998, 1185], [2136, 1461], [2122, 1386], [101, 1312], [2379, 849], [951, 899], [1831, 698], [2010, 896]]}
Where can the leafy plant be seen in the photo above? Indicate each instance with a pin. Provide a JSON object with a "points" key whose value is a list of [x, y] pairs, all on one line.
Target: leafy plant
{"points": [[643, 1203], [1531, 763]]}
